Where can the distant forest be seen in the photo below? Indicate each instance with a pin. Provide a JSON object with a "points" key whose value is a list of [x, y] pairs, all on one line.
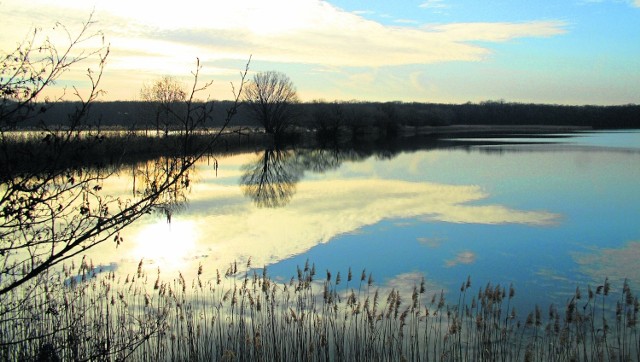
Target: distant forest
{"points": [[355, 116]]}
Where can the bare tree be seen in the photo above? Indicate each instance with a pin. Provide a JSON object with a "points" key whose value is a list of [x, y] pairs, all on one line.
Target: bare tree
{"points": [[270, 96], [164, 97]]}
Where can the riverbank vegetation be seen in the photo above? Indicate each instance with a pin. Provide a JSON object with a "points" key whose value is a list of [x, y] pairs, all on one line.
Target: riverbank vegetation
{"points": [[82, 314]]}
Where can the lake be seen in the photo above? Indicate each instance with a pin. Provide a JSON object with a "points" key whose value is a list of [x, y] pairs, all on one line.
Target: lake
{"points": [[546, 213]]}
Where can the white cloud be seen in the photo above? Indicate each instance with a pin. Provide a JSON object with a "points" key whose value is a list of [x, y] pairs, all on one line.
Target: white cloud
{"points": [[293, 31], [433, 4], [147, 41], [498, 32], [636, 3], [406, 21]]}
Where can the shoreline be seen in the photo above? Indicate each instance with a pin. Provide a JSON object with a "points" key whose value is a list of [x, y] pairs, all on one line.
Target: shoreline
{"points": [[495, 129]]}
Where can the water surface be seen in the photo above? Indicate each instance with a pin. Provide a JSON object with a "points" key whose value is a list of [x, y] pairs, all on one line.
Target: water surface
{"points": [[546, 214]]}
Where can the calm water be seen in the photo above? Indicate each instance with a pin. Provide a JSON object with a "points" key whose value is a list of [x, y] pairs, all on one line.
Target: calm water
{"points": [[546, 214]]}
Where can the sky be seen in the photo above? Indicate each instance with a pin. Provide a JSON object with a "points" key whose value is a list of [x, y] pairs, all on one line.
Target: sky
{"points": [[444, 51]]}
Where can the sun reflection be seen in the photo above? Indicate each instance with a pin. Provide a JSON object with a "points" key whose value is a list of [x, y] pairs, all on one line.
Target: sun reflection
{"points": [[166, 245]]}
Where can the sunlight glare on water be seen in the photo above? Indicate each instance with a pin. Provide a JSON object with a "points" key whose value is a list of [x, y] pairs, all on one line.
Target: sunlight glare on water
{"points": [[166, 245]]}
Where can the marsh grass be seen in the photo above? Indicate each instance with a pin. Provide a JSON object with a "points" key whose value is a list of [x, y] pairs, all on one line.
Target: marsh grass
{"points": [[79, 314]]}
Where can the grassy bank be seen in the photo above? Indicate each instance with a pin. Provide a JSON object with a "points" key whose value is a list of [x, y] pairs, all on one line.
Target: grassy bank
{"points": [[247, 316]]}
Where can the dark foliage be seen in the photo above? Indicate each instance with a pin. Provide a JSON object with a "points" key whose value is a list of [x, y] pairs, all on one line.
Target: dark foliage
{"points": [[360, 118]]}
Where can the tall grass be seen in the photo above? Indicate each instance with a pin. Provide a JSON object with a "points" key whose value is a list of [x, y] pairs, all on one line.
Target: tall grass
{"points": [[247, 316]]}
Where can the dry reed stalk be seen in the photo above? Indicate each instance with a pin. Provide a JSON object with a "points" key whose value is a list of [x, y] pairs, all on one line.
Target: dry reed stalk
{"points": [[249, 316]]}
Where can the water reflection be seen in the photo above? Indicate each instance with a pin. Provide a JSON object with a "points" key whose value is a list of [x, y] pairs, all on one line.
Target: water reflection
{"points": [[617, 264], [406, 282], [271, 180], [171, 245], [145, 181], [226, 226], [54, 214], [403, 213], [464, 257]]}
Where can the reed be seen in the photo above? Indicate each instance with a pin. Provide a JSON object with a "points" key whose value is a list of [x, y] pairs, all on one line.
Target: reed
{"points": [[244, 315]]}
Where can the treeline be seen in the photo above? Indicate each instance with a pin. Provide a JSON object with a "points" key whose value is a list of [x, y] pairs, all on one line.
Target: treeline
{"points": [[122, 114], [486, 113], [359, 117], [623, 116]]}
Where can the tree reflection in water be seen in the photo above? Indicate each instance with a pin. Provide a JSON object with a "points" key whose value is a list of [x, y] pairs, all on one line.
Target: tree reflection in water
{"points": [[271, 180]]}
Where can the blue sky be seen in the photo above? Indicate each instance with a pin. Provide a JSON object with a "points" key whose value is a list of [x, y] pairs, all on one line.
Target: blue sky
{"points": [[451, 51]]}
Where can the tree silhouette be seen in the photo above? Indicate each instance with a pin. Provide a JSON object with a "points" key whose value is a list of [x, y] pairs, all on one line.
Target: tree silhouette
{"points": [[163, 97], [270, 96]]}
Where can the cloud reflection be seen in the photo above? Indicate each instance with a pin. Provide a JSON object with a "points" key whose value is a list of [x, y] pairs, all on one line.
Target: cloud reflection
{"points": [[614, 263], [465, 257], [431, 242], [323, 210], [221, 225], [405, 282]]}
